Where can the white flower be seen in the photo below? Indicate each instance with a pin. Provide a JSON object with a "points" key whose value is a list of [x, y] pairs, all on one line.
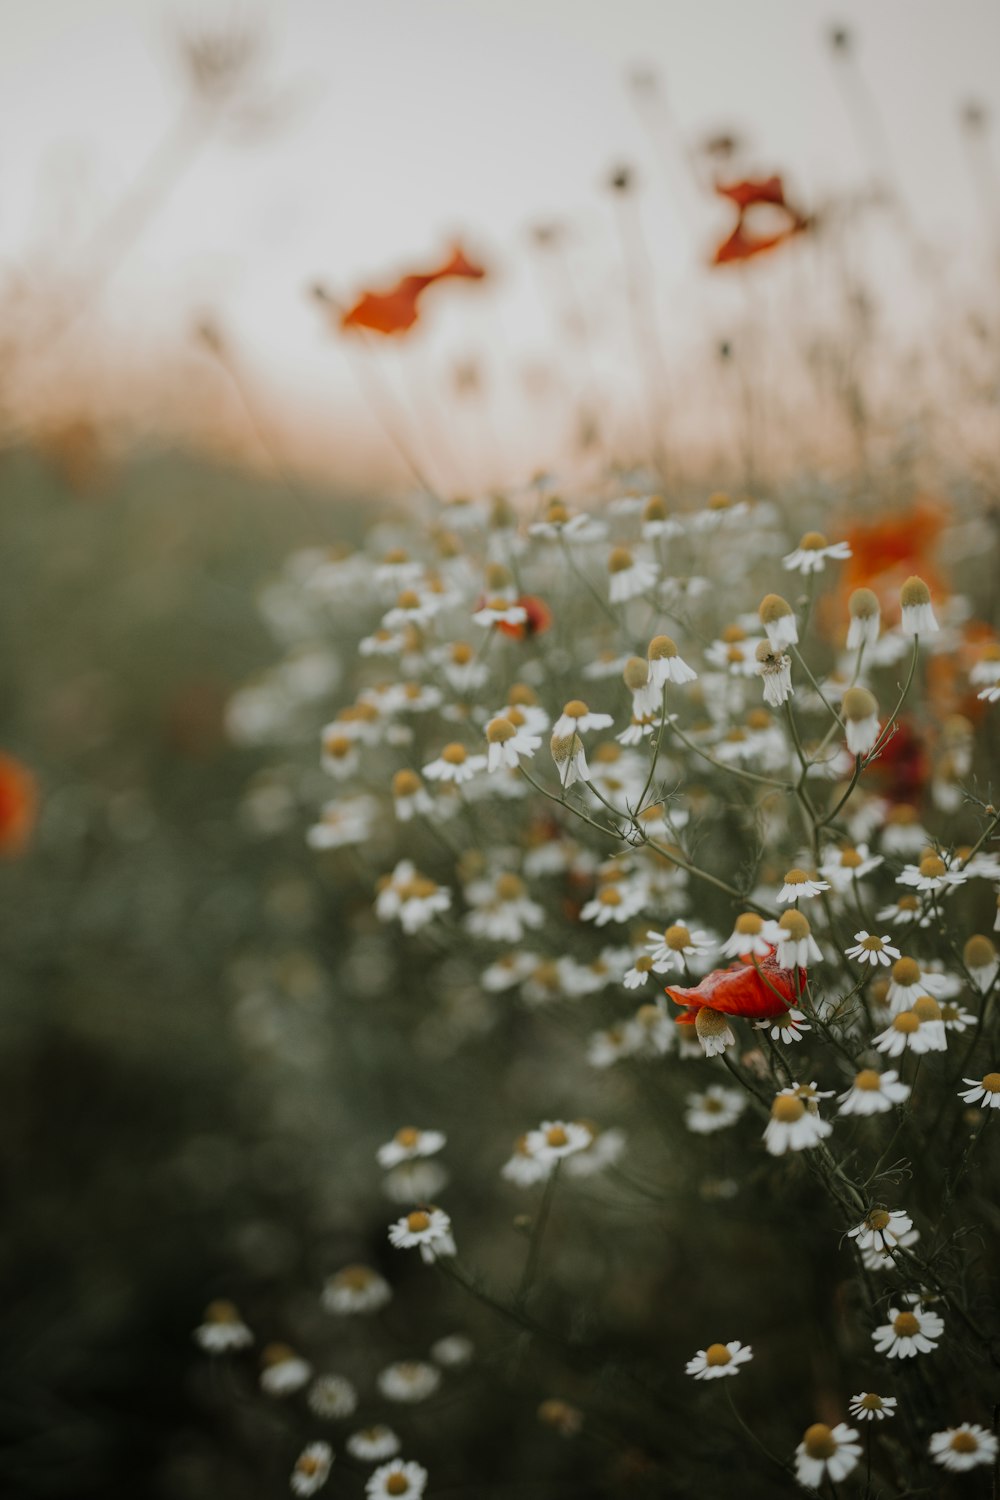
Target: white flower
{"points": [[453, 1351], [917, 613], [577, 718], [355, 1289], [411, 898], [614, 903], [523, 1167], [343, 823], [605, 1048], [842, 867], [569, 758], [508, 971], [713, 1031], [752, 936], [786, 1028], [775, 671], [606, 1148], [793, 1126], [666, 664], [555, 1139], [873, 1093], [799, 886], [312, 1469], [283, 1371], [866, 619], [984, 1091], [407, 1143], [823, 1451], [866, 1406], [508, 744], [332, 1396], [797, 947], [960, 1448], [427, 1228], [455, 764], [223, 1329], [408, 1380], [417, 1181], [629, 576], [718, 1360], [909, 1031], [671, 948], [397, 1480], [811, 554], [916, 1330], [885, 1260], [955, 1017], [713, 1110], [932, 874], [500, 611], [370, 1444], [881, 1230], [779, 622], [872, 950], [909, 982]]}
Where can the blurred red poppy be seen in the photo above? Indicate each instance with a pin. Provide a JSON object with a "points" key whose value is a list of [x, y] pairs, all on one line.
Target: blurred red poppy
{"points": [[18, 806], [394, 312], [539, 618], [741, 990], [745, 242], [745, 194]]}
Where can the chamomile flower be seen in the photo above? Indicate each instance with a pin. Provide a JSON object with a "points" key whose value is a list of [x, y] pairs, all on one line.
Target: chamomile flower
{"points": [[910, 1331], [283, 1372], [797, 947], [786, 1028], [556, 1139], [672, 949], [793, 1126], [904, 911], [872, 950], [408, 1380], [885, 1260], [866, 619], [332, 1396], [909, 981], [416, 1181], [918, 1030], [409, 796], [400, 1479], [813, 552], [799, 886], [965, 1447], [774, 667], [501, 909], [861, 724], [343, 823], [354, 1290], [426, 1229], [980, 957], [955, 1017], [407, 1143], [983, 1091], [823, 1451], [873, 1093], [605, 1048], [410, 898], [866, 1406], [523, 1167], [666, 664], [369, 1444], [881, 1229], [778, 620], [752, 937], [607, 1147], [500, 611], [615, 901], [312, 1469], [842, 867], [917, 612], [569, 759], [715, 1109], [455, 764], [932, 874], [222, 1329], [718, 1360], [630, 576], [713, 1032], [507, 745]]}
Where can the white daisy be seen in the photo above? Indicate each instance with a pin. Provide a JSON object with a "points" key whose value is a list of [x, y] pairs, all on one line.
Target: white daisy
{"points": [[786, 1028], [416, 1181], [507, 745], [799, 886], [355, 1289], [222, 1329], [778, 620], [407, 1143], [500, 611], [917, 613], [917, 1030], [408, 1380], [569, 759], [842, 867], [715, 1109], [793, 1126], [671, 949], [455, 764], [577, 718], [882, 1229], [666, 664], [861, 724], [397, 1480], [866, 1406], [453, 1351], [332, 1396], [370, 1444], [961, 1448], [629, 575], [866, 619], [282, 1371], [873, 1093], [555, 1139], [427, 1228], [825, 1450], [752, 936], [797, 947], [312, 1469], [811, 555], [872, 950], [915, 1330], [984, 1091], [718, 1360]]}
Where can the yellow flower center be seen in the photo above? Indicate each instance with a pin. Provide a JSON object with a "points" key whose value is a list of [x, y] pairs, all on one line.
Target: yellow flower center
{"points": [[877, 1219], [819, 1441], [418, 1221], [453, 754], [556, 1136], [787, 1109], [932, 867], [991, 1083], [927, 1008], [749, 924], [871, 1402], [397, 1484], [908, 1022], [717, 1354], [677, 937], [906, 1324], [964, 1442], [868, 1080], [906, 971], [407, 1137]]}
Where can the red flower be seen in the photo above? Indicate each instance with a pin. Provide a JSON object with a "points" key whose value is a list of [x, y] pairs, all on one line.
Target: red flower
{"points": [[394, 311], [745, 194], [18, 806], [744, 242], [744, 989], [539, 618]]}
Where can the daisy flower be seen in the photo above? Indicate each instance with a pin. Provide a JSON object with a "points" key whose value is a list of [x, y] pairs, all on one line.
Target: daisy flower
{"points": [[931, 874], [793, 1126], [866, 619], [918, 1030], [410, 897], [751, 937], [778, 620], [671, 948], [868, 1407], [718, 1360], [397, 1480], [916, 1330], [636, 976], [332, 1396], [507, 744], [666, 665], [343, 823], [774, 668], [312, 1469], [222, 1329], [882, 1229], [861, 720], [872, 950], [426, 1228], [646, 699], [555, 1139], [500, 611], [917, 614], [568, 756], [960, 1448], [984, 1091], [613, 903], [355, 1289], [408, 1380], [417, 1181], [841, 867], [657, 520], [369, 1444], [712, 1031], [577, 718], [906, 909], [715, 1109], [955, 1017], [797, 948], [282, 1371], [909, 981], [407, 1143], [824, 1451], [799, 886], [811, 555], [409, 796], [606, 1148], [787, 1028], [629, 575], [455, 764], [885, 1260], [980, 959], [873, 1093], [523, 1167]]}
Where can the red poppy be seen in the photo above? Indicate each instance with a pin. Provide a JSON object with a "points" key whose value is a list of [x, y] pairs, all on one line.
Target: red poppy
{"points": [[539, 618], [745, 194], [886, 551], [745, 242], [742, 246], [744, 989], [394, 312], [18, 806]]}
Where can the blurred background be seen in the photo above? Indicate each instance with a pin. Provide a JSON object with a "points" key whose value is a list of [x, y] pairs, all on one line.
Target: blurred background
{"points": [[192, 201]]}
